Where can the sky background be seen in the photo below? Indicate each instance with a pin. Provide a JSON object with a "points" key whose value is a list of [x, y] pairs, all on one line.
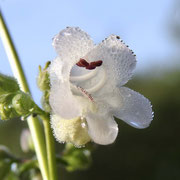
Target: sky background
{"points": [[141, 24]]}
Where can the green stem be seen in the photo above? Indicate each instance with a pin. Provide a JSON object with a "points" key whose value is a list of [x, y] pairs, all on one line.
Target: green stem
{"points": [[50, 146], [34, 124]]}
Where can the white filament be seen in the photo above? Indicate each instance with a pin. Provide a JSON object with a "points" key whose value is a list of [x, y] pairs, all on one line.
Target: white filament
{"points": [[83, 77], [99, 85], [86, 77]]}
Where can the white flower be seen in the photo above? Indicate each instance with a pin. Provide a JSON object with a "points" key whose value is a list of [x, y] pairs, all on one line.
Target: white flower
{"points": [[86, 89]]}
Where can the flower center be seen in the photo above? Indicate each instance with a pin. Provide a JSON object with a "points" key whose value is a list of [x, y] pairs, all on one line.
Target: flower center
{"points": [[91, 81]]}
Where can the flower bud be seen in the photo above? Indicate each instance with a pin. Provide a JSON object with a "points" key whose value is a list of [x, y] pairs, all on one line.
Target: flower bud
{"points": [[45, 101], [8, 89], [7, 111], [23, 104], [43, 78]]}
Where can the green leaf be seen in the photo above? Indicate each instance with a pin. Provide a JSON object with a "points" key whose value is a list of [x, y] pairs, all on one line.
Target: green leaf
{"points": [[8, 84]]}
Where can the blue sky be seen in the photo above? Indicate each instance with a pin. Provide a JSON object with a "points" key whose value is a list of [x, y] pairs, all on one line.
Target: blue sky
{"points": [[141, 24]]}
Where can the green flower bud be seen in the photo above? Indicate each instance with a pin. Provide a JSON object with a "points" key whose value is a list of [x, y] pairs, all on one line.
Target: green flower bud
{"points": [[24, 105], [17, 104], [8, 89], [43, 78], [7, 112], [8, 84]]}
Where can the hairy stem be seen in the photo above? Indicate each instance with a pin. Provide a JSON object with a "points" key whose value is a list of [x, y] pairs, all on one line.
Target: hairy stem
{"points": [[50, 146], [34, 124]]}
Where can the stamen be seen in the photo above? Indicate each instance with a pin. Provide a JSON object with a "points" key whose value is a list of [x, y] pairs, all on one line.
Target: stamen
{"points": [[82, 63], [85, 77], [89, 66], [96, 63]]}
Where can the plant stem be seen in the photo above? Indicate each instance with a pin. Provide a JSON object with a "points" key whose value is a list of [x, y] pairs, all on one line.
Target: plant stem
{"points": [[50, 146], [34, 124]]}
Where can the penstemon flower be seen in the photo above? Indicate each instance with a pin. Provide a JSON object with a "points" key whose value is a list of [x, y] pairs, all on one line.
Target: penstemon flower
{"points": [[87, 89]]}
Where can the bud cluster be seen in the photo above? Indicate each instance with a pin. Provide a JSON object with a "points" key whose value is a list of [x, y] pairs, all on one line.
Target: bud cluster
{"points": [[13, 102]]}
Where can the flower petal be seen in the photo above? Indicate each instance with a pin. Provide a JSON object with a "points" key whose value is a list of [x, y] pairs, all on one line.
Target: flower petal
{"points": [[72, 43], [61, 98], [102, 129], [70, 131], [63, 102], [118, 60], [136, 110]]}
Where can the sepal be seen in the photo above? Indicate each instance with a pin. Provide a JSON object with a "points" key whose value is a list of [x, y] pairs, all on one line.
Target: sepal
{"points": [[43, 82], [45, 101], [43, 78]]}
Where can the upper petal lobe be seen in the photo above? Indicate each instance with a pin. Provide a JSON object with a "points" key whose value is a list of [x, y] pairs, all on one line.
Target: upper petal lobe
{"points": [[72, 43], [118, 60]]}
